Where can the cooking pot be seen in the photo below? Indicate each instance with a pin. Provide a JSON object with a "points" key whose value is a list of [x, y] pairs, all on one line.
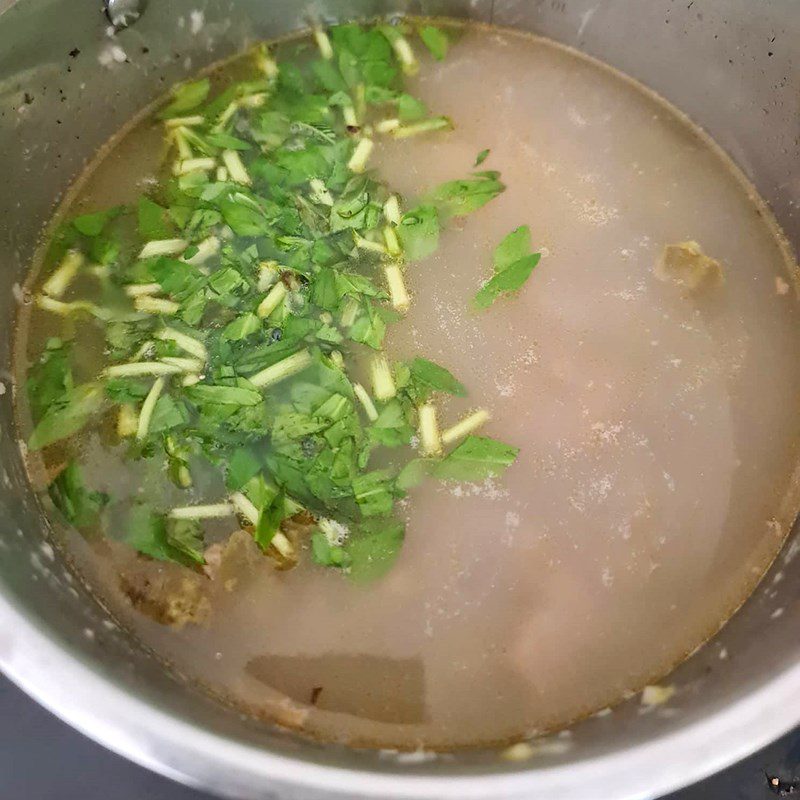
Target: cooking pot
{"points": [[68, 80]]}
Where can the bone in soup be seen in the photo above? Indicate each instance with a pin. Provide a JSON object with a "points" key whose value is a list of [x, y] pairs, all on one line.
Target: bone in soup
{"points": [[415, 385]]}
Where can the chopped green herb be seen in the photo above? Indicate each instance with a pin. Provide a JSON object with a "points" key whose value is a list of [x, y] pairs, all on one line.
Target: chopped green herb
{"points": [[242, 466], [430, 376], [475, 459], [374, 492], [374, 548], [186, 97], [242, 327], [462, 197], [410, 109], [414, 473], [50, 379], [515, 246], [419, 232], [506, 282], [245, 216], [391, 427], [92, 224], [153, 219], [227, 142], [68, 415], [269, 519], [186, 537], [513, 264], [202, 394], [326, 554], [422, 126], [435, 40], [168, 413], [481, 157], [243, 299], [79, 505], [164, 539]]}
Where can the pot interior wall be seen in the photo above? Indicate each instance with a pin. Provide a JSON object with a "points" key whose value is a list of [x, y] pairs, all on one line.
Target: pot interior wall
{"points": [[66, 85]]}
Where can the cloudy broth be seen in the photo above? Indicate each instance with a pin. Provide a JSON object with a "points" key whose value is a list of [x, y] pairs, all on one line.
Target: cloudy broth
{"points": [[657, 429]]}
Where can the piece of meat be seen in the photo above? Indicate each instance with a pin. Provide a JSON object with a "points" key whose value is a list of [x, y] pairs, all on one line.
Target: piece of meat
{"points": [[171, 596], [227, 561]]}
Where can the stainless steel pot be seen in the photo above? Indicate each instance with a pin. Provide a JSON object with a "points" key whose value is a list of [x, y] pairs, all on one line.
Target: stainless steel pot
{"points": [[65, 86]]}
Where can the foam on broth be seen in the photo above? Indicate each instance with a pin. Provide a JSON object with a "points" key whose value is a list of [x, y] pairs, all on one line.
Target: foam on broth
{"points": [[658, 430]]}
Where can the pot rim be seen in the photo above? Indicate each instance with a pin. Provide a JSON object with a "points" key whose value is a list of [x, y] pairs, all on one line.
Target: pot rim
{"points": [[132, 727]]}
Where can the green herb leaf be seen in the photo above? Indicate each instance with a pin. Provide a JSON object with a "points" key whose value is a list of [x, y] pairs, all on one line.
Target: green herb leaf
{"points": [[481, 157], [127, 390], [515, 246], [374, 493], [225, 141], [105, 250], [224, 395], [79, 506], [475, 459], [227, 283], [513, 264], [410, 109], [462, 197], [269, 521], [363, 55], [374, 548], [185, 97], [168, 414], [326, 554], [244, 219], [392, 427], [165, 540], [369, 327], [243, 465], [419, 232], [509, 280], [242, 327], [260, 492], [414, 473], [271, 128], [185, 540], [435, 40], [146, 532], [93, 224], [153, 220], [329, 76], [434, 377], [50, 379], [355, 209], [69, 416]]}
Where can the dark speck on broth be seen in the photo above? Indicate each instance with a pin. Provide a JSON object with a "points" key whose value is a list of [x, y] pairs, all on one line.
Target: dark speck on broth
{"points": [[652, 399]]}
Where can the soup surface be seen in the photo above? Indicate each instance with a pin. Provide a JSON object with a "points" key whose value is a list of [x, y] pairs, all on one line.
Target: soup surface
{"points": [[656, 423]]}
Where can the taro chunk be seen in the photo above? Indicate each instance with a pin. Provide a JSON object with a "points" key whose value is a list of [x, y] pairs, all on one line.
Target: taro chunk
{"points": [[686, 265]]}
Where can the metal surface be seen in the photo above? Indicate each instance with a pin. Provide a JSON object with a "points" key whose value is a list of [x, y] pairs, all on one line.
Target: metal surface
{"points": [[41, 757], [65, 86], [122, 13]]}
